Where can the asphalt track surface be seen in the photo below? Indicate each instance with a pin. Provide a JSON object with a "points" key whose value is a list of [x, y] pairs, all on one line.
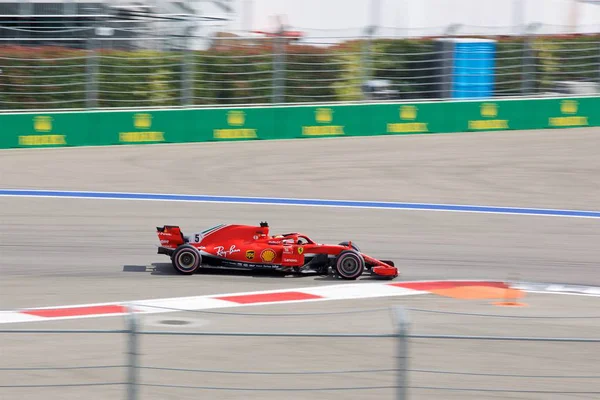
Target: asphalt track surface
{"points": [[71, 251], [521, 369]]}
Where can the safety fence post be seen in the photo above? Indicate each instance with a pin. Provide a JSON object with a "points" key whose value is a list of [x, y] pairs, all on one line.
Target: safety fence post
{"points": [[187, 69], [279, 66], [366, 60], [187, 81], [598, 64], [401, 318], [526, 66], [92, 70], [528, 78], [132, 351]]}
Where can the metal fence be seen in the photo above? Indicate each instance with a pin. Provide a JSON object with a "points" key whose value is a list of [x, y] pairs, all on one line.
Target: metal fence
{"points": [[91, 68], [399, 364]]}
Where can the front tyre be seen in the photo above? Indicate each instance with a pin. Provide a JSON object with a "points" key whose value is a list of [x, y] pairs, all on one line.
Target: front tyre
{"points": [[186, 259], [349, 265]]}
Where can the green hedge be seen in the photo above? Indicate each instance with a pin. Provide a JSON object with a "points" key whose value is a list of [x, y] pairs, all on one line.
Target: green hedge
{"points": [[148, 78], [26, 82], [567, 60], [509, 67], [243, 74], [232, 76]]}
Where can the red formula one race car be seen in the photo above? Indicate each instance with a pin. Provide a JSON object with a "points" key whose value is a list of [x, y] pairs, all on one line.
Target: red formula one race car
{"points": [[250, 247]]}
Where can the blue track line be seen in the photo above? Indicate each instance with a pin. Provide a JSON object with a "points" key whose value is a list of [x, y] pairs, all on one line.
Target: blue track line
{"points": [[298, 202]]}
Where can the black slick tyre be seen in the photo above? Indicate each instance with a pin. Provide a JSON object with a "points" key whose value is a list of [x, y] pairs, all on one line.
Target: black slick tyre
{"points": [[349, 265], [186, 259]]}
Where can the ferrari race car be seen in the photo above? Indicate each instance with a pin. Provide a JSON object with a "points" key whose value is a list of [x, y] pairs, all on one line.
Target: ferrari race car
{"points": [[248, 247]]}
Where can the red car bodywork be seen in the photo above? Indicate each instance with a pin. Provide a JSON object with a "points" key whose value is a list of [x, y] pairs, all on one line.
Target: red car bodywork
{"points": [[251, 247]]}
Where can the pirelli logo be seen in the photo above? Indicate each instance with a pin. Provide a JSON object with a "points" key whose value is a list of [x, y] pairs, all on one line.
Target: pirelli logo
{"points": [[42, 140], [142, 122], [43, 126], [408, 116], [489, 121], [323, 124], [569, 118], [138, 137], [236, 120]]}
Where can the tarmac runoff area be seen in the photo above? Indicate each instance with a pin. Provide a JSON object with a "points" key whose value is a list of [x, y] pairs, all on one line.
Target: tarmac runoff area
{"points": [[524, 365], [104, 251]]}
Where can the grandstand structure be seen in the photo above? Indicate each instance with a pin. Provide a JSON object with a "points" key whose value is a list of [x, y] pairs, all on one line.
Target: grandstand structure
{"points": [[123, 24]]}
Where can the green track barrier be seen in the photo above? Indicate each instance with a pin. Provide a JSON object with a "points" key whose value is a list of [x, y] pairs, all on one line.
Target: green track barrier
{"points": [[101, 128]]}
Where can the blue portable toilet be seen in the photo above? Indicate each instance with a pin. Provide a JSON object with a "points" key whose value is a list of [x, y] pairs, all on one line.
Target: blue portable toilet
{"points": [[467, 67], [473, 75]]}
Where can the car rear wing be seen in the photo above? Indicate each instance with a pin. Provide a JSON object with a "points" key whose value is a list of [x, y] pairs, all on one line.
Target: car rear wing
{"points": [[170, 235]]}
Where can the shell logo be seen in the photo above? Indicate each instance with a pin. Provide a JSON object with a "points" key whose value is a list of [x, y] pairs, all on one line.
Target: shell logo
{"points": [[408, 112], [142, 121], [236, 118], [42, 124], [324, 115], [568, 107], [267, 255], [489, 110]]}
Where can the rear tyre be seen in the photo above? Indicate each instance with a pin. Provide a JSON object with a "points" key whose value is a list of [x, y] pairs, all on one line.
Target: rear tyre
{"points": [[186, 259], [349, 265]]}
